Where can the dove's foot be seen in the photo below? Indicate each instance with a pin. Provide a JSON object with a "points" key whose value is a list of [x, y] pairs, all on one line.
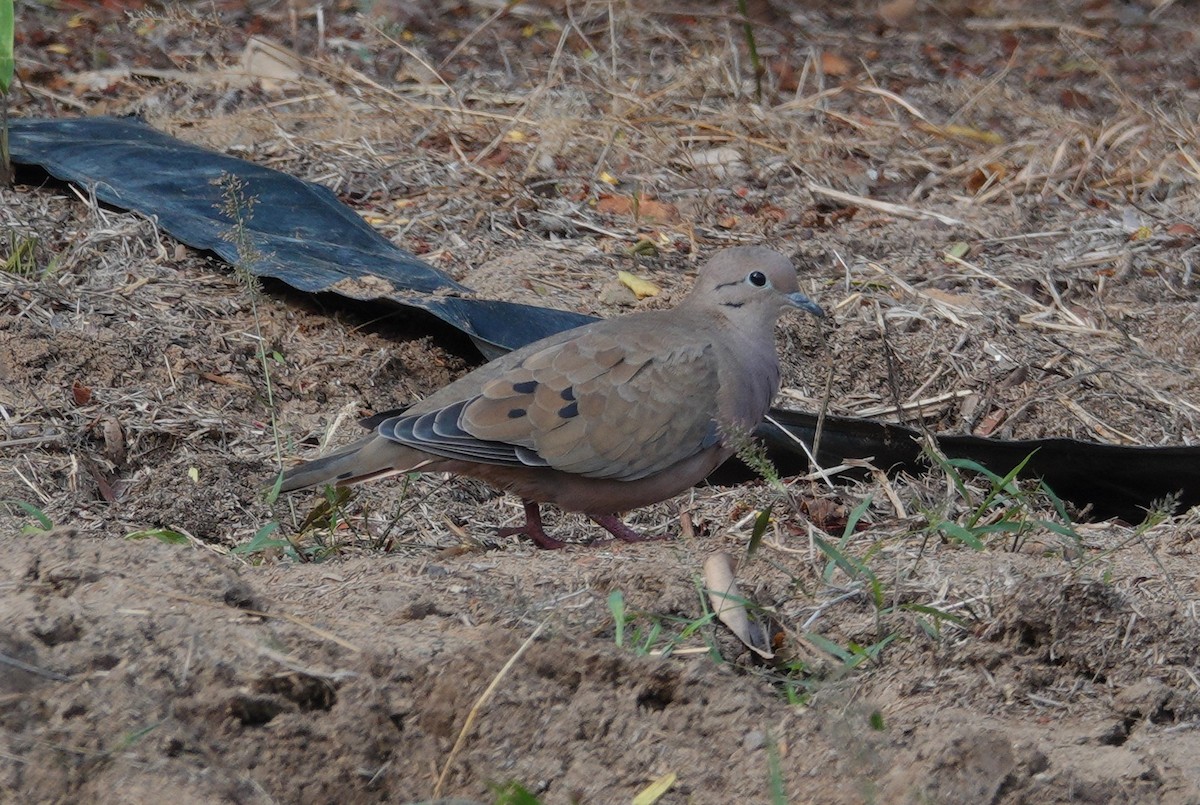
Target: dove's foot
{"points": [[533, 529], [611, 524]]}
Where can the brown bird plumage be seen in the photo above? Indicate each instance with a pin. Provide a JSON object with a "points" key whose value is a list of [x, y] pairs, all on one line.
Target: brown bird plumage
{"points": [[604, 418]]}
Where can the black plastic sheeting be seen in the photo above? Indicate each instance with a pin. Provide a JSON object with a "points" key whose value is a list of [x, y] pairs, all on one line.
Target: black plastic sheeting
{"points": [[302, 235], [1116, 480], [299, 231]]}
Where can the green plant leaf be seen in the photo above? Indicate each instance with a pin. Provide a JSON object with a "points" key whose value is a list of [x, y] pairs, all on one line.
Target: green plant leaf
{"points": [[760, 529], [850, 566], [975, 466], [1060, 508], [935, 613], [946, 466], [1005, 484], [513, 794], [261, 541], [856, 514], [31, 510], [829, 647], [960, 533], [161, 534], [272, 494]]}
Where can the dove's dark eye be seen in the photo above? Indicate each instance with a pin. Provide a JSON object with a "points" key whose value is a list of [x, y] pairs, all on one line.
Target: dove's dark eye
{"points": [[757, 279]]}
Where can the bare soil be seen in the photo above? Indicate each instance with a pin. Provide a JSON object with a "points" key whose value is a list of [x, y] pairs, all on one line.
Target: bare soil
{"points": [[532, 151]]}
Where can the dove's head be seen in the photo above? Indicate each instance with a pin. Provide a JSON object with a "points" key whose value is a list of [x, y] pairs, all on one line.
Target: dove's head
{"points": [[749, 281]]}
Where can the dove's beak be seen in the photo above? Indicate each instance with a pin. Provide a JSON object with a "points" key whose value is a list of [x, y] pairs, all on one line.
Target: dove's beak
{"points": [[804, 303]]}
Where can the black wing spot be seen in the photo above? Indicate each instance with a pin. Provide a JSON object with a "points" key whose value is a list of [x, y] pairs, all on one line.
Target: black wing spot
{"points": [[516, 413], [525, 387], [568, 411], [568, 393]]}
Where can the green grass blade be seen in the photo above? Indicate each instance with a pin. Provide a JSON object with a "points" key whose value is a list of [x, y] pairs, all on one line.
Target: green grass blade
{"points": [[616, 605], [960, 533], [947, 466], [7, 30], [837, 559], [165, 535], [513, 794], [1005, 484], [856, 514], [775, 772], [31, 510], [1060, 509], [760, 529], [262, 541], [829, 647], [973, 466], [935, 613]]}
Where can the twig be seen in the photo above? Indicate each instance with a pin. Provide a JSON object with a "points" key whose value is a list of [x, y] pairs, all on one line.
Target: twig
{"points": [[811, 458], [480, 702], [1031, 25], [257, 613], [32, 669], [882, 206], [51, 437]]}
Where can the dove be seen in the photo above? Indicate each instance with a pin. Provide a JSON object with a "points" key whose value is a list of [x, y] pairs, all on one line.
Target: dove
{"points": [[604, 418]]}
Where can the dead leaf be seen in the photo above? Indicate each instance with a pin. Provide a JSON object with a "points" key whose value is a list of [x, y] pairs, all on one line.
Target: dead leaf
{"points": [[896, 12], [655, 791], [834, 64], [221, 380], [641, 287], [103, 486], [614, 205], [639, 207], [957, 132], [114, 440], [772, 213], [824, 216], [497, 157], [718, 161], [965, 301], [272, 63], [658, 211], [986, 176], [727, 603], [786, 75], [1074, 99], [987, 426], [80, 393], [828, 515]]}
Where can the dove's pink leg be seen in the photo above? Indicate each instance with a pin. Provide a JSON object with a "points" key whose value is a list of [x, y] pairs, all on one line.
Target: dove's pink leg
{"points": [[533, 528], [611, 524]]}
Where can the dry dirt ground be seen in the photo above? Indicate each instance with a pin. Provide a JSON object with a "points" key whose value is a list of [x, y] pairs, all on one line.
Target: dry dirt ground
{"points": [[1035, 278]]}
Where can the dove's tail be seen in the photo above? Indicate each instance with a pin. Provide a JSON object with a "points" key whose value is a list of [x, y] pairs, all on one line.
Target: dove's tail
{"points": [[372, 457]]}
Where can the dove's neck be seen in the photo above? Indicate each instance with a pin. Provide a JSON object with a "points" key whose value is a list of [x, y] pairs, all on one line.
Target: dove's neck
{"points": [[753, 371]]}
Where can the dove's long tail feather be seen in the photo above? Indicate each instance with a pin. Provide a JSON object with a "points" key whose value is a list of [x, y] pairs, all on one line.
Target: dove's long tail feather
{"points": [[372, 457]]}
